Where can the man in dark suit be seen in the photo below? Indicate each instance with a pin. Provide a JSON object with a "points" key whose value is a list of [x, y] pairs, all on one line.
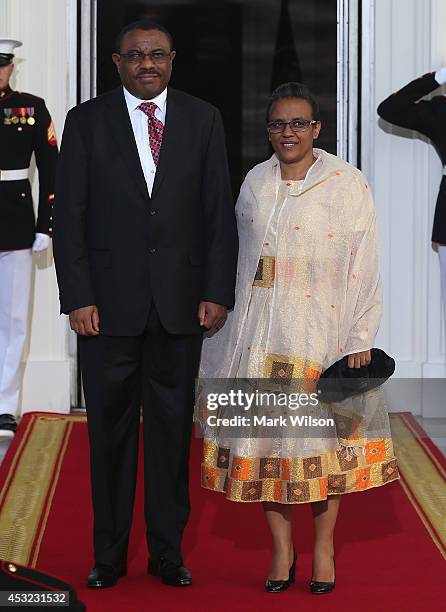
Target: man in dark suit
{"points": [[145, 246]]}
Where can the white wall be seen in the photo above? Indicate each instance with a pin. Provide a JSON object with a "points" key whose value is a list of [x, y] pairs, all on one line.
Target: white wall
{"points": [[47, 30], [406, 40]]}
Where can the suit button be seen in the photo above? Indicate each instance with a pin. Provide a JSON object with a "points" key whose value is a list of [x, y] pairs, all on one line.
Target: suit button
{"points": [[152, 212], [23, 195], [152, 251]]}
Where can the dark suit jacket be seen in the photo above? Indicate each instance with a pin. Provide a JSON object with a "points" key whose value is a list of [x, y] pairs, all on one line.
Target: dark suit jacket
{"points": [[406, 109], [118, 248]]}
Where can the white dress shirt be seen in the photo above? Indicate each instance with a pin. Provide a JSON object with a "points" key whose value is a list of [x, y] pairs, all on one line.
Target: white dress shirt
{"points": [[140, 129]]}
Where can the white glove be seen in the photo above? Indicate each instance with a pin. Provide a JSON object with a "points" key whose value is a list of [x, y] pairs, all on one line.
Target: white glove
{"points": [[41, 243], [440, 76]]}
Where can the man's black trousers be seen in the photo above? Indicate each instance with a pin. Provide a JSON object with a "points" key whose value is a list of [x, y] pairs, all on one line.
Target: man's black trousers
{"points": [[159, 370]]}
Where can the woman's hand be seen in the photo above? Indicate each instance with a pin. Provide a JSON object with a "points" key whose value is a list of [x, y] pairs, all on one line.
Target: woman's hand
{"points": [[356, 360]]}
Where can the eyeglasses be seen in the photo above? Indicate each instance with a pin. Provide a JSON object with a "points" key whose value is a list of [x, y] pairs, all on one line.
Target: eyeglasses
{"points": [[297, 125], [137, 57]]}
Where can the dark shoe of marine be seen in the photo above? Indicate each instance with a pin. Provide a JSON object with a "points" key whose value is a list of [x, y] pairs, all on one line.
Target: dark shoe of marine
{"points": [[8, 426]]}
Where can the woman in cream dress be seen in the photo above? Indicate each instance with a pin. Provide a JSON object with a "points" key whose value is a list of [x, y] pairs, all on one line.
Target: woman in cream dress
{"points": [[308, 293]]}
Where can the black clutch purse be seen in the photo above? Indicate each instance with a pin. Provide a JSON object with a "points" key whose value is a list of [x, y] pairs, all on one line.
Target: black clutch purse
{"points": [[339, 381]]}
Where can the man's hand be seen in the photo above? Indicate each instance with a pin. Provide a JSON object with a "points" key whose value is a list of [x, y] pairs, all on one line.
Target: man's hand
{"points": [[212, 315], [85, 321], [356, 360], [41, 243]]}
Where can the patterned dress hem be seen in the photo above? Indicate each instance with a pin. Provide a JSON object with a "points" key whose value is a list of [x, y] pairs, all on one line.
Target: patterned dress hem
{"points": [[268, 498], [299, 479]]}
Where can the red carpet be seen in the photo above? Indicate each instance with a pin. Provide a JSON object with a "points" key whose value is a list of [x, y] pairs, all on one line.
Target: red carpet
{"points": [[390, 541]]}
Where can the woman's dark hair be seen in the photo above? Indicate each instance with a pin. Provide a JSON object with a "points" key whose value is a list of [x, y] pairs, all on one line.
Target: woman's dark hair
{"points": [[294, 90], [142, 24]]}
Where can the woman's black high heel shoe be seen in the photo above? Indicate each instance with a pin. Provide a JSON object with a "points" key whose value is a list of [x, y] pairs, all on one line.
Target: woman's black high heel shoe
{"points": [[318, 587], [276, 586]]}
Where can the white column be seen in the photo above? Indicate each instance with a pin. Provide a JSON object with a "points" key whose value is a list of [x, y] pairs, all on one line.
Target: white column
{"points": [[45, 66], [405, 172], [435, 362], [4, 15]]}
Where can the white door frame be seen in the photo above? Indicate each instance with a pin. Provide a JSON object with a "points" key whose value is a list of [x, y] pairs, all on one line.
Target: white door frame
{"points": [[88, 49], [347, 80], [368, 110]]}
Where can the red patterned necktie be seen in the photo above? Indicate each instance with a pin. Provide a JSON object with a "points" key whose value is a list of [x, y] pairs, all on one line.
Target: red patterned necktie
{"points": [[155, 128]]}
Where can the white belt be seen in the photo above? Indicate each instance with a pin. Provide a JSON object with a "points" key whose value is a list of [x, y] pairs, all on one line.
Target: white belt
{"points": [[14, 175]]}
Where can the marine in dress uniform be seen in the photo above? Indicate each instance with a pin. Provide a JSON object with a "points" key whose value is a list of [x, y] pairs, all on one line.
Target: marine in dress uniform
{"points": [[25, 128], [407, 109]]}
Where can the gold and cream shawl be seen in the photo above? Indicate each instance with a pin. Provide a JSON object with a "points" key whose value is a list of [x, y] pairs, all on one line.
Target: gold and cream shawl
{"points": [[327, 294]]}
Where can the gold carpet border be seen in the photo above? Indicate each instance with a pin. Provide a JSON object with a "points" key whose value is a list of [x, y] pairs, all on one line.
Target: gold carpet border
{"points": [[420, 440], [16, 457], [51, 495], [35, 473], [423, 519], [425, 488]]}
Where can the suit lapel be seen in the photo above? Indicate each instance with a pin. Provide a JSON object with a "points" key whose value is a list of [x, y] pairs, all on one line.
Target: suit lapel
{"points": [[171, 133], [122, 131]]}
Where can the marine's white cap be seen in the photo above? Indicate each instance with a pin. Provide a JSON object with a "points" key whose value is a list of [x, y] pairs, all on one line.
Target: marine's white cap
{"points": [[7, 46]]}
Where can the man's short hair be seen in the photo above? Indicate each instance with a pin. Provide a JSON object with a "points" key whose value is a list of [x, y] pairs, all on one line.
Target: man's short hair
{"points": [[142, 24]]}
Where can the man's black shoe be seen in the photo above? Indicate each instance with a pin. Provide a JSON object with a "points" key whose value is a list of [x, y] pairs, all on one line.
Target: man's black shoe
{"points": [[171, 574], [8, 426], [103, 576]]}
